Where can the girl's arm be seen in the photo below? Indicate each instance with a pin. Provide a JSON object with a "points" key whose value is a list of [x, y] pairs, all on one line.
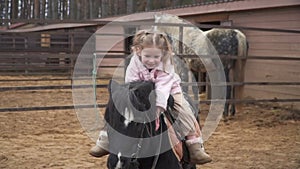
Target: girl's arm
{"points": [[132, 72], [163, 85]]}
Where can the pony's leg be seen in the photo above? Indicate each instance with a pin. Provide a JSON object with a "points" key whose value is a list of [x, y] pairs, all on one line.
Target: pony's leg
{"points": [[184, 75], [228, 93], [232, 108], [233, 75], [194, 77]]}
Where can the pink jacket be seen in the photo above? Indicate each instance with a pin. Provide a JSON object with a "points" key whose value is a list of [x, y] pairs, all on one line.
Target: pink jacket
{"points": [[166, 82]]}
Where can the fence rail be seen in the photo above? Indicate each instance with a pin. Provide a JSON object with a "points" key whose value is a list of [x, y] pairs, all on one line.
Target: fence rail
{"points": [[118, 56], [40, 108], [31, 56], [63, 63], [55, 87]]}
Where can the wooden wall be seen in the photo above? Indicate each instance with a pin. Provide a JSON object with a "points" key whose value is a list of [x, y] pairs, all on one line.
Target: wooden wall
{"points": [[262, 43], [114, 41]]}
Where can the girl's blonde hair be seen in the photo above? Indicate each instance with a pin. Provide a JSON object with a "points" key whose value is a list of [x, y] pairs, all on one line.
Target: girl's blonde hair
{"points": [[150, 38]]}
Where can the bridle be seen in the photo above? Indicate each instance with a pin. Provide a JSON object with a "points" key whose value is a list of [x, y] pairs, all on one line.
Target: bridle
{"points": [[134, 156]]}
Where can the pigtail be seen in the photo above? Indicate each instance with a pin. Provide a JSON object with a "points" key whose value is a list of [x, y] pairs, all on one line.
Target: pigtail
{"points": [[168, 53], [138, 39]]}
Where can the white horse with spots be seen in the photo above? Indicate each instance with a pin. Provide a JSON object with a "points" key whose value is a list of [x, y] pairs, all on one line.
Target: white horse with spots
{"points": [[225, 42]]}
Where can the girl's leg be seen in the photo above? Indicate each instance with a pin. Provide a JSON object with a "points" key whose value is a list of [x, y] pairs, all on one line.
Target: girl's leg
{"points": [[189, 128], [186, 120]]}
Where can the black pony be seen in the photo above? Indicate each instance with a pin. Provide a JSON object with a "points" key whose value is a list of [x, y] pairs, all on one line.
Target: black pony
{"points": [[134, 143]]}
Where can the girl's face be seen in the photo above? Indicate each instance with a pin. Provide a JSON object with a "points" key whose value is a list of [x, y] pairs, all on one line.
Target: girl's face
{"points": [[151, 57]]}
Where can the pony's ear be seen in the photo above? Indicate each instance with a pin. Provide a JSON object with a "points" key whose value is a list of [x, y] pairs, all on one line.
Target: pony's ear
{"points": [[112, 86]]}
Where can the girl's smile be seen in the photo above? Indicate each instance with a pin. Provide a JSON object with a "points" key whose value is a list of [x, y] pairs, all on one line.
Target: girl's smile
{"points": [[151, 57]]}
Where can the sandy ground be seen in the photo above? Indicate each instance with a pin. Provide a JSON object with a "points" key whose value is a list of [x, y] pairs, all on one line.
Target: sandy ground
{"points": [[259, 137]]}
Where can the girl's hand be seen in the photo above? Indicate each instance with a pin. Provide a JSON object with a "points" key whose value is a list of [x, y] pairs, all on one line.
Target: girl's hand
{"points": [[159, 110], [157, 122]]}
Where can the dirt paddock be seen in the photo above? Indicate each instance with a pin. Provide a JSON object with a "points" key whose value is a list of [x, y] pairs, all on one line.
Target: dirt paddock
{"points": [[259, 137]]}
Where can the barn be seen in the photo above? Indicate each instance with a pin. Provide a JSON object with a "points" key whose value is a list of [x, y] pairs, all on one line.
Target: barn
{"points": [[272, 29], [40, 120]]}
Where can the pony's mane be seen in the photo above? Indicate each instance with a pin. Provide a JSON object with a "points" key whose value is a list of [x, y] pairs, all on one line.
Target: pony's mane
{"points": [[139, 94], [136, 97]]}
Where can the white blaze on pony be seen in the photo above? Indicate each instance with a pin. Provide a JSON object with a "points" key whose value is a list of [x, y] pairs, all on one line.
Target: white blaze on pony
{"points": [[128, 115]]}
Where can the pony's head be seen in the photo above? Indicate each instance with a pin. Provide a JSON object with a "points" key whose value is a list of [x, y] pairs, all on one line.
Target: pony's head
{"points": [[133, 101], [131, 106], [171, 30], [167, 18], [193, 39]]}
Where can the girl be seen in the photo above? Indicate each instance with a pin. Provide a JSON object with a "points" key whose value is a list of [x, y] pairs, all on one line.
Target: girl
{"points": [[153, 60]]}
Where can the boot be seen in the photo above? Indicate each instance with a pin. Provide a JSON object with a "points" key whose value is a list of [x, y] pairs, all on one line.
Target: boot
{"points": [[101, 147], [197, 154], [98, 151]]}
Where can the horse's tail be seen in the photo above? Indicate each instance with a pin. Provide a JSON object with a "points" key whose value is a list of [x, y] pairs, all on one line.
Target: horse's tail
{"points": [[239, 73]]}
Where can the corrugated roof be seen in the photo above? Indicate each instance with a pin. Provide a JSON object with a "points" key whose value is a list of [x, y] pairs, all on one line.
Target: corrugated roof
{"points": [[199, 4], [196, 9]]}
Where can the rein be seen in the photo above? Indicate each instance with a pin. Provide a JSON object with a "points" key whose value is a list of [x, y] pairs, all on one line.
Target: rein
{"points": [[134, 156], [139, 145], [160, 141]]}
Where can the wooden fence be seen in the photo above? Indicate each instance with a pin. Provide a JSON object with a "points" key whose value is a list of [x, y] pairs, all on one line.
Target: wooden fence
{"points": [[45, 52], [63, 62]]}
